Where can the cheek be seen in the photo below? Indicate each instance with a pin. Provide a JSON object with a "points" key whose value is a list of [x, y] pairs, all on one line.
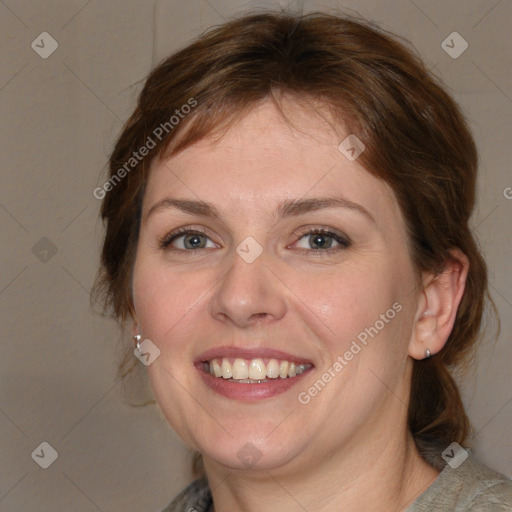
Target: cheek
{"points": [[164, 298], [346, 300]]}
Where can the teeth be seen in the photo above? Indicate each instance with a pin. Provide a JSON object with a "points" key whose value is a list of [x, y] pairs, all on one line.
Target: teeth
{"points": [[249, 381], [226, 370], [255, 370], [301, 368], [217, 371], [240, 369], [273, 369], [283, 369]]}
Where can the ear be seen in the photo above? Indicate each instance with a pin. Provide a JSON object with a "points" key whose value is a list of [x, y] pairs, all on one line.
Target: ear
{"points": [[437, 306]]}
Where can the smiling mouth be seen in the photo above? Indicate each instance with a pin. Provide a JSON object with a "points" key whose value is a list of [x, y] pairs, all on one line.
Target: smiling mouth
{"points": [[253, 371]]}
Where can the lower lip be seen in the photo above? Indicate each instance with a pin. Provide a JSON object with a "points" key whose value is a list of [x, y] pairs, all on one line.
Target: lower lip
{"points": [[249, 392]]}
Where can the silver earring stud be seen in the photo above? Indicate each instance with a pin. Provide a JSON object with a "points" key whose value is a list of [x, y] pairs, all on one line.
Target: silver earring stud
{"points": [[427, 353], [137, 338]]}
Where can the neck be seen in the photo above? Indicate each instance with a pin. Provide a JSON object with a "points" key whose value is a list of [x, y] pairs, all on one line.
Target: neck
{"points": [[386, 474]]}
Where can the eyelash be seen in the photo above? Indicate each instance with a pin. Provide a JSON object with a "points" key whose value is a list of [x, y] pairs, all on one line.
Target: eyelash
{"points": [[343, 241]]}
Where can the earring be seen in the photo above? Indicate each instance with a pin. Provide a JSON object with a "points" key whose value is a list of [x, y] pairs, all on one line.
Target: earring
{"points": [[137, 338], [427, 353]]}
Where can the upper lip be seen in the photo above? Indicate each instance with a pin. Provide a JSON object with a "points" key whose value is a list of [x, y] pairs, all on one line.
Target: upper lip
{"points": [[249, 353]]}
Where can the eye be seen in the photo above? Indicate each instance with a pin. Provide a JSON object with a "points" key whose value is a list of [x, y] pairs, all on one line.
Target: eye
{"points": [[187, 240], [318, 240], [321, 240]]}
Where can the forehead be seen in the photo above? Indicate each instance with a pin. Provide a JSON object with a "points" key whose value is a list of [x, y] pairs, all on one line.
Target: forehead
{"points": [[268, 157]]}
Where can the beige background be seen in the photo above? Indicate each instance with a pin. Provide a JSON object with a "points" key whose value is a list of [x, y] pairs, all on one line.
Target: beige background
{"points": [[60, 117]]}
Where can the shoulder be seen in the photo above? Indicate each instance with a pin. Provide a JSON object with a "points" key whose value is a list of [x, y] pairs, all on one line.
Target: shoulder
{"points": [[196, 497], [494, 492], [472, 486]]}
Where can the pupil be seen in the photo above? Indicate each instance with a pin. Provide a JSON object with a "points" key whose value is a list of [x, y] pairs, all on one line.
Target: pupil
{"points": [[320, 241], [193, 241]]}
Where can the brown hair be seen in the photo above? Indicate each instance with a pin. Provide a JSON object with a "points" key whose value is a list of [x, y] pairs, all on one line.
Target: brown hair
{"points": [[415, 136]]}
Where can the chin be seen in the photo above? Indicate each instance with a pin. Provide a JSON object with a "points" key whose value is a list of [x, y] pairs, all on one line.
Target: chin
{"points": [[246, 453]]}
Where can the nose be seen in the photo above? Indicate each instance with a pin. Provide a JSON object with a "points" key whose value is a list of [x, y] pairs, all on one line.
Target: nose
{"points": [[249, 293]]}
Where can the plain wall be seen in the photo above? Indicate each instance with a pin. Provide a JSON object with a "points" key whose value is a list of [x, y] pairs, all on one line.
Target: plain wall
{"points": [[60, 117]]}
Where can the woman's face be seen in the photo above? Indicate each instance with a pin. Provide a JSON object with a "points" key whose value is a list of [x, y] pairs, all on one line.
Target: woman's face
{"points": [[263, 248]]}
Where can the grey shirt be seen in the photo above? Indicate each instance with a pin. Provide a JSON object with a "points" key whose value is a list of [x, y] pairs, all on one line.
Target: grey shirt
{"points": [[470, 487]]}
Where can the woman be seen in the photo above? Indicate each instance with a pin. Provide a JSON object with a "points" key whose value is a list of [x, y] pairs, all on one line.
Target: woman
{"points": [[287, 235]]}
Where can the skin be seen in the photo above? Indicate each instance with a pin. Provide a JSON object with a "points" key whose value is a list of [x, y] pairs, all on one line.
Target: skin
{"points": [[350, 443]]}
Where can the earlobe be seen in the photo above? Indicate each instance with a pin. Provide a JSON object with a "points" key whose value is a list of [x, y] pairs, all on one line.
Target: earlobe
{"points": [[437, 307]]}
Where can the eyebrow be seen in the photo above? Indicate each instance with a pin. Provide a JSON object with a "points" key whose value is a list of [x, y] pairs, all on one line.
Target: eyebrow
{"points": [[290, 208]]}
